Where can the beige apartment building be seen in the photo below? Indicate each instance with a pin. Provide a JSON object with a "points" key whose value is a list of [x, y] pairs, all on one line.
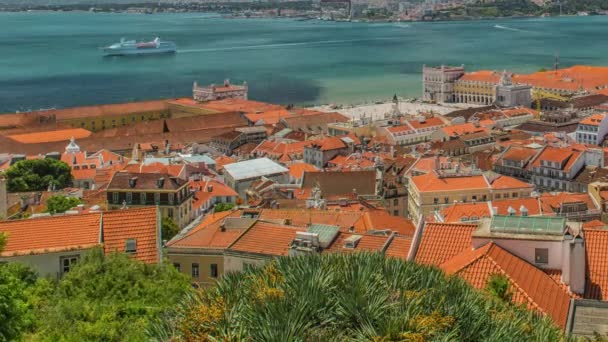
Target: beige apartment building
{"points": [[440, 189]]}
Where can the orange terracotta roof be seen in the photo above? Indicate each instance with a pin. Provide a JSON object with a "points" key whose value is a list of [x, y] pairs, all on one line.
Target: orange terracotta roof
{"points": [[399, 129], [590, 78], [596, 254], [519, 153], [431, 182], [593, 120], [223, 160], [208, 234], [557, 154], [71, 232], [297, 170], [352, 161], [399, 247], [594, 224], [506, 182], [206, 189], [46, 234], [459, 211], [426, 165], [486, 76], [532, 204], [551, 202], [529, 285], [140, 224], [442, 241], [329, 143], [428, 122], [266, 239], [51, 136], [83, 174], [461, 129], [381, 220]]}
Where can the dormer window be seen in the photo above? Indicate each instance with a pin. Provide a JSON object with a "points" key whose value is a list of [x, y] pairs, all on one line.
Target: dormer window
{"points": [[131, 246]]}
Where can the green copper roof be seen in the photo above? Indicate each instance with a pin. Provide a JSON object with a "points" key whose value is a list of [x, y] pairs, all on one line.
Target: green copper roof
{"points": [[528, 225]]}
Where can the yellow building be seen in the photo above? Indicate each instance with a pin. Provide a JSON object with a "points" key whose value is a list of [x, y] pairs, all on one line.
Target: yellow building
{"points": [[200, 252], [478, 87], [438, 189]]}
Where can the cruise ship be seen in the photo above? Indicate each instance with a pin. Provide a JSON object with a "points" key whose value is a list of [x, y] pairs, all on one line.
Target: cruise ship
{"points": [[131, 47]]}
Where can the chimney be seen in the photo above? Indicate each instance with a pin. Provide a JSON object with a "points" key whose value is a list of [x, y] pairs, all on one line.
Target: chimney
{"points": [[566, 257], [494, 211], [577, 265]]}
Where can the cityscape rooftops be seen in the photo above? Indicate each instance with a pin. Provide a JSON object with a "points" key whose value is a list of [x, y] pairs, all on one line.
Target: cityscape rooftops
{"points": [[593, 120], [440, 242]]}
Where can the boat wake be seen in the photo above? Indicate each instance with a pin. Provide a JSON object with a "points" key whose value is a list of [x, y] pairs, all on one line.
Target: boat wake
{"points": [[500, 27], [403, 25], [280, 45]]}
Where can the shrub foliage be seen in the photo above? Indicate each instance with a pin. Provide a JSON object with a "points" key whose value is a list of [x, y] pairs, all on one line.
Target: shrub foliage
{"points": [[342, 297]]}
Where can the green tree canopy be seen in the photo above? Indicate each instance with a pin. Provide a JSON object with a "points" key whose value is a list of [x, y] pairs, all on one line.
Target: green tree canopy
{"points": [[60, 204], [110, 298], [222, 207], [169, 228], [21, 296], [38, 175], [350, 297]]}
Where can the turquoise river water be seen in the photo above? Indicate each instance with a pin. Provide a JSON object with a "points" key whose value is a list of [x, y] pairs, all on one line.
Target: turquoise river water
{"points": [[52, 60]]}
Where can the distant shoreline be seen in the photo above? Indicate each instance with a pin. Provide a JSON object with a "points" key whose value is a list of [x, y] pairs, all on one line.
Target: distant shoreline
{"points": [[246, 11]]}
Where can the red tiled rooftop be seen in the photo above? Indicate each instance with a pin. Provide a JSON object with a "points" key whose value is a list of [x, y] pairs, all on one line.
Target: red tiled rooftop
{"points": [[431, 182], [459, 211], [61, 233], [266, 239], [485, 76], [596, 254], [442, 241], [506, 182], [428, 122], [461, 129], [56, 233], [297, 170], [529, 285], [140, 224], [51, 136], [593, 120], [208, 234], [399, 247]]}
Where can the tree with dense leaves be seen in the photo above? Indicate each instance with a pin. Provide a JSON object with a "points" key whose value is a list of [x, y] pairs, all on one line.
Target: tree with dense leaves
{"points": [[169, 228], [60, 204], [38, 175], [223, 207], [22, 294], [349, 297], [110, 298]]}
